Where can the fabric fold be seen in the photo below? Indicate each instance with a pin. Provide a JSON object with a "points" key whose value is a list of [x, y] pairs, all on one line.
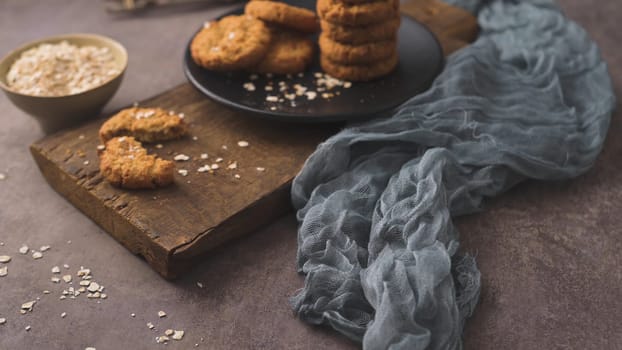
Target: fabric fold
{"points": [[531, 98]]}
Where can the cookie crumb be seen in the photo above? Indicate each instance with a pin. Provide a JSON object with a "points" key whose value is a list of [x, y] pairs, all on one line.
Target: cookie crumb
{"points": [[181, 158]]}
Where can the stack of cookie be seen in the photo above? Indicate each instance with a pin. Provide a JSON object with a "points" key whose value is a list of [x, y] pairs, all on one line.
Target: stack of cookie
{"points": [[272, 37], [359, 38]]}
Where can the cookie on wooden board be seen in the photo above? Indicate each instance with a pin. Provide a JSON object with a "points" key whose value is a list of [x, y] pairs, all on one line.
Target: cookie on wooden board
{"points": [[125, 163], [356, 35], [232, 43], [356, 54], [145, 124], [285, 15], [362, 14], [359, 72], [289, 53]]}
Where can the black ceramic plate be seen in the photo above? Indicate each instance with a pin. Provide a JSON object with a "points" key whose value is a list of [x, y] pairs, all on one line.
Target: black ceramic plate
{"points": [[421, 60]]}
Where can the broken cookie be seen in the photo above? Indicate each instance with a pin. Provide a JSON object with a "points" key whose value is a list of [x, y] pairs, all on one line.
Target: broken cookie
{"points": [[125, 163], [144, 124]]}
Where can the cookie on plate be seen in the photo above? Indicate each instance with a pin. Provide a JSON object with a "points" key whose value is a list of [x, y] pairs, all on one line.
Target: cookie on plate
{"points": [[361, 14], [232, 43], [125, 163], [356, 35], [356, 54], [285, 15], [359, 72], [145, 124], [289, 53]]}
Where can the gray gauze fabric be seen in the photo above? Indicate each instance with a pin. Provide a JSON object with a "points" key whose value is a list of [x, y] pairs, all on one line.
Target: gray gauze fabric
{"points": [[531, 98]]}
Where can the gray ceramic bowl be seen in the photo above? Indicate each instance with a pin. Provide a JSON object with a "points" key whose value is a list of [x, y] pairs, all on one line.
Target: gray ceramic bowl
{"points": [[58, 112]]}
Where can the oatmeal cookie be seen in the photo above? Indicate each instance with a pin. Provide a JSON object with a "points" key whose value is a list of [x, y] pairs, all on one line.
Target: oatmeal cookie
{"points": [[359, 72], [232, 43], [289, 53], [362, 14], [356, 35], [285, 15], [125, 163], [145, 124], [356, 54]]}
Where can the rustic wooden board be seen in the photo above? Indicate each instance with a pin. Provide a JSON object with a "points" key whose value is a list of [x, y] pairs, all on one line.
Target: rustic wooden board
{"points": [[172, 228]]}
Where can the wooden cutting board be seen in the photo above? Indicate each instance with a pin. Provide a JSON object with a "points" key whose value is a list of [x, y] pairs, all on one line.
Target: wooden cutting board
{"points": [[172, 228]]}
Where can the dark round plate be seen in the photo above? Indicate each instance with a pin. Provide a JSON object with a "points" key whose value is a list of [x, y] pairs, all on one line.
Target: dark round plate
{"points": [[421, 60]]}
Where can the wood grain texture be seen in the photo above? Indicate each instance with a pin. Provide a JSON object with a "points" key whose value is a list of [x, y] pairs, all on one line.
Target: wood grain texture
{"points": [[174, 227]]}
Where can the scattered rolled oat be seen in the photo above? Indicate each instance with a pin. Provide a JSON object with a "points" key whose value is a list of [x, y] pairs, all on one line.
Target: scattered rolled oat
{"points": [[133, 315], [150, 325], [63, 315], [2, 320], [103, 296], [44, 248], [2, 176], [37, 255], [204, 168], [169, 332], [159, 145], [101, 147], [161, 314], [55, 279], [86, 162], [90, 348], [195, 138], [177, 335], [183, 172], [24, 249], [225, 147], [27, 328], [67, 278], [93, 287], [237, 176], [249, 86], [162, 339], [260, 168], [218, 160], [204, 156], [4, 259], [199, 284], [181, 158], [233, 165], [28, 305], [215, 166], [4, 271], [243, 143]]}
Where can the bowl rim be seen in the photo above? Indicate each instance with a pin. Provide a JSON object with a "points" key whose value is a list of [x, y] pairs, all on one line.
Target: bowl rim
{"points": [[68, 37]]}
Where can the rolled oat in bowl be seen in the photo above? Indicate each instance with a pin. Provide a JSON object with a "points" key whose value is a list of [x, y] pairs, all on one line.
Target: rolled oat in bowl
{"points": [[61, 69]]}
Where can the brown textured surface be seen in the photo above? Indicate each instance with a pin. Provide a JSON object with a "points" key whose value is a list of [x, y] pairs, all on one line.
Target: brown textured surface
{"points": [[356, 14], [356, 54], [549, 253], [172, 227], [288, 16]]}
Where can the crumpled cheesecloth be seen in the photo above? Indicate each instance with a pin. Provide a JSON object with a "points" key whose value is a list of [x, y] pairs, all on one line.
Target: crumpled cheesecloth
{"points": [[531, 98]]}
